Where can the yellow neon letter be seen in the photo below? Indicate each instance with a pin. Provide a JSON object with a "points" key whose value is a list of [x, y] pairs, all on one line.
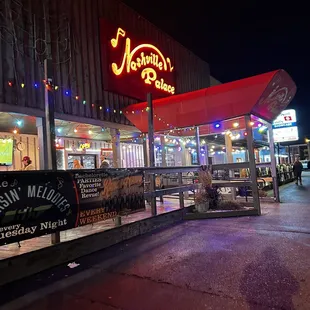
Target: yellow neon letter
{"points": [[149, 75]]}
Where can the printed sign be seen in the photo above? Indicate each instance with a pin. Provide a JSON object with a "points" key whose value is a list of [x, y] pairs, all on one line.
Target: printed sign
{"points": [[105, 193], [287, 118], [285, 127], [33, 204]]}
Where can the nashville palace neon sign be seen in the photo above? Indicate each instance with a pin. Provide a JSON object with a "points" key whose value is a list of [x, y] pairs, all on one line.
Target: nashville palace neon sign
{"points": [[152, 63]]}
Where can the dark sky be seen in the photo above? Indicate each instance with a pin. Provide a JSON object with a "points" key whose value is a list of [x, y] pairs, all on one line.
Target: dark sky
{"points": [[242, 38]]}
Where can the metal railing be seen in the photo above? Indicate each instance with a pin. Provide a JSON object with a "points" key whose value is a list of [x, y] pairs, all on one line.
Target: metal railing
{"points": [[152, 193]]}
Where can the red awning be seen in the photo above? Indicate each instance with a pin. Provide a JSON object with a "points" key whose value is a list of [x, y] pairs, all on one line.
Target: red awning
{"points": [[265, 96]]}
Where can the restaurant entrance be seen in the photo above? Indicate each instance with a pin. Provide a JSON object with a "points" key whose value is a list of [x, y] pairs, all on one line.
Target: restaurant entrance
{"points": [[87, 161]]}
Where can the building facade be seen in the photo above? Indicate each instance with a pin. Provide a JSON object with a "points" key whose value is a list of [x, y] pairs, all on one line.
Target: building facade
{"points": [[102, 56]]}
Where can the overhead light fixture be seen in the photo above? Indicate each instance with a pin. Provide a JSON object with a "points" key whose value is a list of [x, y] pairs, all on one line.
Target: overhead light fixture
{"points": [[236, 125]]}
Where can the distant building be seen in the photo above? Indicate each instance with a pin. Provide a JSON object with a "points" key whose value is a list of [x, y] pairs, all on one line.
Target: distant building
{"points": [[214, 81], [298, 150]]}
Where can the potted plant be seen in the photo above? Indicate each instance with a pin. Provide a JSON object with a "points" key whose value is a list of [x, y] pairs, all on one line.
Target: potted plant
{"points": [[207, 197], [202, 201]]}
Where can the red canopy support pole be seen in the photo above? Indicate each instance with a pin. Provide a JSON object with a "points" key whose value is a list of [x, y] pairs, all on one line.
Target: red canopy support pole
{"points": [[252, 163], [273, 162], [197, 145], [151, 149], [146, 151]]}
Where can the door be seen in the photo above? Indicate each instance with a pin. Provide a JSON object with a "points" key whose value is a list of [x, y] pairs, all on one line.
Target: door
{"points": [[87, 161]]}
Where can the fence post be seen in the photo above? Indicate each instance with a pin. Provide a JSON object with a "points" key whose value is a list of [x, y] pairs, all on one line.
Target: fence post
{"points": [[181, 194], [118, 221]]}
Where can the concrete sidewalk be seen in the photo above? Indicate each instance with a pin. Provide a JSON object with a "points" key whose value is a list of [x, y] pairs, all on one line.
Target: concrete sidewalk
{"points": [[234, 263], [296, 193]]}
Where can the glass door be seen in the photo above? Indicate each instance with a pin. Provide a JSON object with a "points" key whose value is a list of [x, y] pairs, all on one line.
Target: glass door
{"points": [[87, 161]]}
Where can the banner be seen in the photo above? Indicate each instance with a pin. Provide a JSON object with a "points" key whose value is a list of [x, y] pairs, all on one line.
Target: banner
{"points": [[103, 194], [33, 204]]}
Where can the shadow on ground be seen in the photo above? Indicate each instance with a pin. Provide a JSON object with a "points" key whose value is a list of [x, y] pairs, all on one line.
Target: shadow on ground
{"points": [[266, 283]]}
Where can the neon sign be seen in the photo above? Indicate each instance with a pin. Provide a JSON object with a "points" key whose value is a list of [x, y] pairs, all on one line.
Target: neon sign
{"points": [[85, 146], [146, 57]]}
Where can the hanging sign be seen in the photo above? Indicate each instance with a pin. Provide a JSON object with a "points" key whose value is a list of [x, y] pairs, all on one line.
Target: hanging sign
{"points": [[36, 203], [285, 127], [104, 194], [84, 146]]}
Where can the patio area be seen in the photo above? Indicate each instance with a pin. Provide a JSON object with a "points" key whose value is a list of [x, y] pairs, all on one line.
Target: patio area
{"points": [[10, 250]]}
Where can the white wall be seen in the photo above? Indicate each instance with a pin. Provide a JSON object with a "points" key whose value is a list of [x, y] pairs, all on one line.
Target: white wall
{"points": [[132, 155], [31, 149]]}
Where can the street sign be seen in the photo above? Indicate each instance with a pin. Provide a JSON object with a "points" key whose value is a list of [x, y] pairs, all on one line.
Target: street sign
{"points": [[285, 127]]}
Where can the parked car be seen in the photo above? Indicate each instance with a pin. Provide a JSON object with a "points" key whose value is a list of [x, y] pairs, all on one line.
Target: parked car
{"points": [[304, 164]]}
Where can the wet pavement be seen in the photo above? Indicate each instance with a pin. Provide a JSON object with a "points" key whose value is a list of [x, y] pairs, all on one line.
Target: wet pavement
{"points": [[235, 263], [296, 193]]}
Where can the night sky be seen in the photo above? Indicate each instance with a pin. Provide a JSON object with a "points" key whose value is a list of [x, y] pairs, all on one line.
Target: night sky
{"points": [[242, 38]]}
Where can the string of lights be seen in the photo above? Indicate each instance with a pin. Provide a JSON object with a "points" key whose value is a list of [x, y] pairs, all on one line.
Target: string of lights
{"points": [[69, 93]]}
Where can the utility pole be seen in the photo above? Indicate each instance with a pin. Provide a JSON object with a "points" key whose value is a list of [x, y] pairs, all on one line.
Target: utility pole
{"points": [[49, 106], [50, 117]]}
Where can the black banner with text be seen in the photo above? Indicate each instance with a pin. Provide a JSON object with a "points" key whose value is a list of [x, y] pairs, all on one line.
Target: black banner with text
{"points": [[33, 203], [104, 194]]}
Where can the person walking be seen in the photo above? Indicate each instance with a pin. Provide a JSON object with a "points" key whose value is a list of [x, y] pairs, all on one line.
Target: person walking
{"points": [[297, 169]]}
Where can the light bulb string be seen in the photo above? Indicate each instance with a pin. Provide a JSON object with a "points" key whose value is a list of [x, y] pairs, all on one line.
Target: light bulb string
{"points": [[75, 97]]}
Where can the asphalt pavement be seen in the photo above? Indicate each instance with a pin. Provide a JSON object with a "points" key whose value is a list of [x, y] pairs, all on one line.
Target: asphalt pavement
{"points": [[235, 263]]}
